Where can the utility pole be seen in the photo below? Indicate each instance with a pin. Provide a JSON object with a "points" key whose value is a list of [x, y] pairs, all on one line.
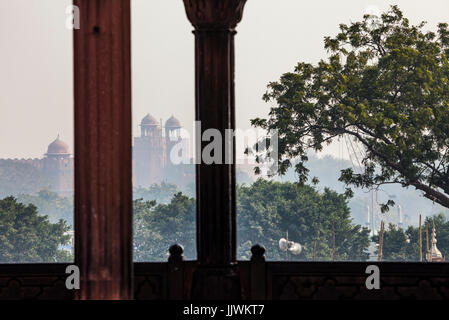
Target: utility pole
{"points": [[333, 241], [420, 239], [381, 241]]}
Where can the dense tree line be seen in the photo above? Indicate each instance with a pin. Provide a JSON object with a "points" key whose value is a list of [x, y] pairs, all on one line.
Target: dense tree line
{"points": [[158, 226], [266, 211], [27, 237], [319, 220]]}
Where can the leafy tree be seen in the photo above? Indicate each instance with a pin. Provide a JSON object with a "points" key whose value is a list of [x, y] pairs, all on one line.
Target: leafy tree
{"points": [[26, 237], [385, 85], [268, 209], [156, 227], [147, 242]]}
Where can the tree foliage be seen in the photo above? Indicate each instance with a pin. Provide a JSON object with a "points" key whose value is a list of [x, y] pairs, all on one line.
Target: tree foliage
{"points": [[385, 85], [26, 237], [158, 226], [267, 210]]}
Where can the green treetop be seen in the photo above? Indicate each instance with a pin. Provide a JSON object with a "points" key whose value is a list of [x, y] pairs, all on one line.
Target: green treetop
{"points": [[385, 85]]}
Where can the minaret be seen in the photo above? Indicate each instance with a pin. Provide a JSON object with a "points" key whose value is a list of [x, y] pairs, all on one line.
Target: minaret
{"points": [[58, 166], [172, 136], [434, 255], [148, 153]]}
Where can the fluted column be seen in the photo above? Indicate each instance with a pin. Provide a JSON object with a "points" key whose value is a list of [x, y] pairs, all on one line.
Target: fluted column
{"points": [[103, 184], [215, 22]]}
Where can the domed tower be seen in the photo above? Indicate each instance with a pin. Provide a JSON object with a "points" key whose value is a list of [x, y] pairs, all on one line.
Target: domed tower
{"points": [[58, 166], [149, 126], [172, 136], [149, 153], [58, 149]]}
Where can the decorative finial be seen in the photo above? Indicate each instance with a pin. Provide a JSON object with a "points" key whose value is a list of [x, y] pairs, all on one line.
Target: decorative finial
{"points": [[434, 237], [258, 252], [176, 250], [435, 255], [176, 253]]}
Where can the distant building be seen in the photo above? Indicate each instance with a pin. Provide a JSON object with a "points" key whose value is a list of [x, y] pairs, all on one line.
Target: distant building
{"points": [[56, 167], [154, 150], [151, 154]]}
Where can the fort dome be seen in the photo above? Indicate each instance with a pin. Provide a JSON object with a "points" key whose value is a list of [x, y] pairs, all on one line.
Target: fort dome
{"points": [[173, 123], [149, 120], [58, 147]]}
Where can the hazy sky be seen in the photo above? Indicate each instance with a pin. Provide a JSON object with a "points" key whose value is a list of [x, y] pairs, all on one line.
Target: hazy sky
{"points": [[36, 100]]}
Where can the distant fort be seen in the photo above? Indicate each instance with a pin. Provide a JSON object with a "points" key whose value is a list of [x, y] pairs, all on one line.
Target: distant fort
{"points": [[151, 154], [151, 163], [54, 171]]}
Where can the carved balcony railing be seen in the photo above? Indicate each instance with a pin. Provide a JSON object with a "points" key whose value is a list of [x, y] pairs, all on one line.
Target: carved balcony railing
{"points": [[260, 280]]}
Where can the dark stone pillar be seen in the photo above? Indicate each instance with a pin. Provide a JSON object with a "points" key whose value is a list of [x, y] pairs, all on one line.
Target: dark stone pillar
{"points": [[215, 22], [103, 183]]}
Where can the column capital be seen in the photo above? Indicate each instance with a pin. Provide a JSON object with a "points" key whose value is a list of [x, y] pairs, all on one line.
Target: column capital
{"points": [[214, 14]]}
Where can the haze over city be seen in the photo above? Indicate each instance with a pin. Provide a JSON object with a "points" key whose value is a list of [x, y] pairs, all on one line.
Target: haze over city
{"points": [[36, 79]]}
